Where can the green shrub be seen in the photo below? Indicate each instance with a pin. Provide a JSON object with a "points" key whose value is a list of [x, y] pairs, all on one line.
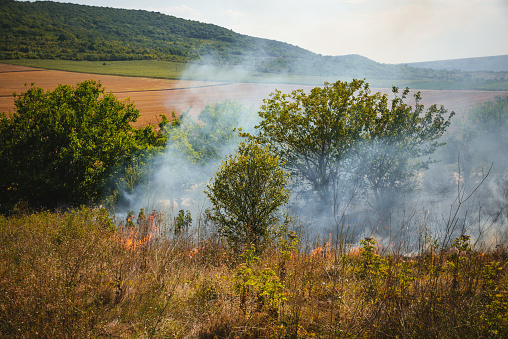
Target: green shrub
{"points": [[246, 193]]}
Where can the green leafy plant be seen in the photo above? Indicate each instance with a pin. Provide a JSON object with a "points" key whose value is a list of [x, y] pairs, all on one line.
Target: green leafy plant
{"points": [[263, 284], [372, 268], [245, 193], [496, 295], [182, 221], [460, 260], [69, 145]]}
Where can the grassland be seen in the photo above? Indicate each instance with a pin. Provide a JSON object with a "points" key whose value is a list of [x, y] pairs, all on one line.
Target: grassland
{"points": [[81, 274], [178, 70]]}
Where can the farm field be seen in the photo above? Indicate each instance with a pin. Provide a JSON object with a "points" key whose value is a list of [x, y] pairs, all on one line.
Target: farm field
{"points": [[161, 96]]}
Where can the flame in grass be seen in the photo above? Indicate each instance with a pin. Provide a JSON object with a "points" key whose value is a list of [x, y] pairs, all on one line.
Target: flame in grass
{"points": [[194, 252], [324, 251], [131, 239], [140, 236]]}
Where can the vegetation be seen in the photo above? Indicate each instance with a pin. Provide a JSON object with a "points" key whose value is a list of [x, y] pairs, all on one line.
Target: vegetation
{"points": [[83, 273], [479, 140], [64, 31], [70, 146], [397, 145], [51, 30], [72, 275], [341, 132], [246, 193], [212, 135]]}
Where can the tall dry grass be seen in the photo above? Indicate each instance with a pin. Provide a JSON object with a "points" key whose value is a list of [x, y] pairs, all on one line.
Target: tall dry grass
{"points": [[77, 275]]}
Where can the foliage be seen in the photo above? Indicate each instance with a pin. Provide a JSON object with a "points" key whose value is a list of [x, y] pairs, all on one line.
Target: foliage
{"points": [[343, 132], [312, 133], [496, 315], [183, 221], [479, 141], [245, 193], [264, 284], [215, 131], [373, 269], [67, 146], [73, 274], [50, 30]]}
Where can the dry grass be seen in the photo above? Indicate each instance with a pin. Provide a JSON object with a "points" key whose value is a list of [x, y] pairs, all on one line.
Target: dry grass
{"points": [[76, 275]]}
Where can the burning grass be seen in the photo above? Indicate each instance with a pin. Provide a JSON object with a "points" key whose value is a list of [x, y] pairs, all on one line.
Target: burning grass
{"points": [[77, 274]]}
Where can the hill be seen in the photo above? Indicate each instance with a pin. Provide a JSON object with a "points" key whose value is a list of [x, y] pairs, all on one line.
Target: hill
{"points": [[497, 63], [51, 30]]}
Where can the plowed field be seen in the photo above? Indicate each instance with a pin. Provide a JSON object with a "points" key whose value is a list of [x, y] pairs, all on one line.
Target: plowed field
{"points": [[155, 96]]}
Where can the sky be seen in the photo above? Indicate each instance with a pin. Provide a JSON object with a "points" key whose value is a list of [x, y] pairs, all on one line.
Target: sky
{"points": [[387, 31]]}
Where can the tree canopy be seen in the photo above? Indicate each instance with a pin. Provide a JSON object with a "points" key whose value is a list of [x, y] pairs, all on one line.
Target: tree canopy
{"points": [[342, 133], [397, 143], [67, 146]]}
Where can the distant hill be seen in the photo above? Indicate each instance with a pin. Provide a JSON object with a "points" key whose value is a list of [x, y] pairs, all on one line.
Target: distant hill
{"points": [[490, 64], [52, 30]]}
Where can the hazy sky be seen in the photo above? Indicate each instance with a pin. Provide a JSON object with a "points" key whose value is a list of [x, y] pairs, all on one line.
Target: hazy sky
{"points": [[388, 31]]}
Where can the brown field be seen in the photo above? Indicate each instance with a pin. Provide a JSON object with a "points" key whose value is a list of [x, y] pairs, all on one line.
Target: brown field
{"points": [[156, 96]]}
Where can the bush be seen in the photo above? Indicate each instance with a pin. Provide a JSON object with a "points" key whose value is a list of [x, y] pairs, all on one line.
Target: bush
{"points": [[66, 146], [245, 193]]}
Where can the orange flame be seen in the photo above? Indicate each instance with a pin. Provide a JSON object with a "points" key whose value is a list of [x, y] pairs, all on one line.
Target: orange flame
{"points": [[354, 252], [133, 239], [194, 252]]}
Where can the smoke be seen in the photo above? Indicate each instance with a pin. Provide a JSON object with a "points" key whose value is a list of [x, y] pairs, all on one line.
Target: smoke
{"points": [[464, 190], [457, 194]]}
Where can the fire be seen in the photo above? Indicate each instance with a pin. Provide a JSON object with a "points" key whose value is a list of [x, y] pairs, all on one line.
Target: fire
{"points": [[319, 251], [135, 237], [354, 252], [325, 251], [194, 252]]}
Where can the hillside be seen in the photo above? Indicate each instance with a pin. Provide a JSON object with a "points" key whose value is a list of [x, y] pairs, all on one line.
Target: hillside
{"points": [[497, 63], [51, 30]]}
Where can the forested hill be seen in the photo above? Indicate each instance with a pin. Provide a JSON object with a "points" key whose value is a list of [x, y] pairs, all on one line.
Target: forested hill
{"points": [[52, 30]]}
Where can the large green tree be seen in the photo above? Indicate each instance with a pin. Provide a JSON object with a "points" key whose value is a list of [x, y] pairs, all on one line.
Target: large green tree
{"points": [[313, 133], [342, 133], [67, 146]]}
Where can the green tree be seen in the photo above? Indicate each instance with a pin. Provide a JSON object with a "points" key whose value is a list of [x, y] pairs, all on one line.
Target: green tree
{"points": [[481, 141], [209, 137], [246, 193], [66, 146], [312, 133], [343, 132], [195, 148]]}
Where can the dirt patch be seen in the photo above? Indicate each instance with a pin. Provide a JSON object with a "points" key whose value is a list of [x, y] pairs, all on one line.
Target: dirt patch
{"points": [[155, 96]]}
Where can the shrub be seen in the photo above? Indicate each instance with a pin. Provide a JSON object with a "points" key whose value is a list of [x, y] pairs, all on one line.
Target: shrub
{"points": [[67, 145], [246, 193]]}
